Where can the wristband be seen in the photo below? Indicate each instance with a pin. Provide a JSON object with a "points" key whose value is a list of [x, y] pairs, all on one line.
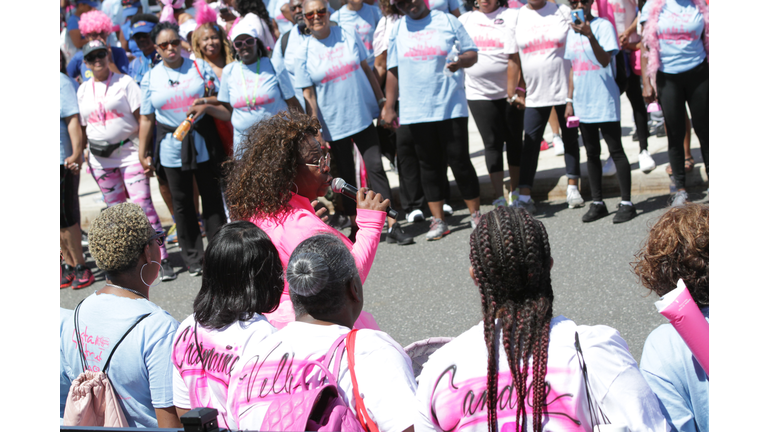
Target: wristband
{"points": [[381, 101], [521, 89], [510, 100], [568, 100]]}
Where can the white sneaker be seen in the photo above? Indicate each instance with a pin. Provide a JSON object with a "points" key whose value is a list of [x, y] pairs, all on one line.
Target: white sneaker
{"points": [[415, 216], [499, 202], [574, 199], [647, 164], [514, 196], [448, 210], [559, 146], [609, 169]]}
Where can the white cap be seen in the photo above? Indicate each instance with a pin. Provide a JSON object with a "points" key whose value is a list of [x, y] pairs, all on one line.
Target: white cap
{"points": [[186, 28], [244, 27]]}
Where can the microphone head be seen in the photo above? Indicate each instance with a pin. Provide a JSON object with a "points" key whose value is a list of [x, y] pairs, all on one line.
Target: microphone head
{"points": [[337, 185]]}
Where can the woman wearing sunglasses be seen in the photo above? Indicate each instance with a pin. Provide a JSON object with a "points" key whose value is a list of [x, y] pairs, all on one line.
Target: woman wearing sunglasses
{"points": [[252, 89], [109, 111], [341, 91], [96, 25], [168, 92], [126, 248], [433, 104]]}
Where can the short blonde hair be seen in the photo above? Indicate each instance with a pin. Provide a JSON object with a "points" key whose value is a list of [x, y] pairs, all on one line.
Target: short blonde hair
{"points": [[117, 237]]}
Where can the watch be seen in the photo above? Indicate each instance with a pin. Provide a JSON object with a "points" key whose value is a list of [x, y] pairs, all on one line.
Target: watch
{"points": [[512, 99]]}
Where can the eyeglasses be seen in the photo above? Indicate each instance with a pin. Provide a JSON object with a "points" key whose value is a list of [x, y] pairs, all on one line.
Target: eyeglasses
{"points": [[320, 14], [90, 58], [249, 42], [294, 7], [323, 162], [164, 45], [159, 237], [402, 4]]}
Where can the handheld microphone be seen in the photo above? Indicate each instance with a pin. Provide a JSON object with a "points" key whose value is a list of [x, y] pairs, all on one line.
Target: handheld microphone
{"points": [[340, 186]]}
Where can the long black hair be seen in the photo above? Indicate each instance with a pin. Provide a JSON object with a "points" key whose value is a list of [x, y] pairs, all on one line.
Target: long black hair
{"points": [[243, 7], [242, 276]]}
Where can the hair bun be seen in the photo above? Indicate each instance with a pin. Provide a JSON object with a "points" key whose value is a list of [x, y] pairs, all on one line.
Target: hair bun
{"points": [[307, 274]]}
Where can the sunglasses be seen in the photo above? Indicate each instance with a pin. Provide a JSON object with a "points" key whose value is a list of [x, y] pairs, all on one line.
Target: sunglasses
{"points": [[241, 43], [90, 58], [401, 4], [320, 14], [164, 45], [323, 162], [159, 237]]}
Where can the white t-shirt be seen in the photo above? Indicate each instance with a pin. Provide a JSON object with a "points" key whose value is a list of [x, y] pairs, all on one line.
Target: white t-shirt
{"points": [[381, 34], [487, 79], [195, 386], [383, 370], [106, 111], [539, 37], [452, 385], [624, 13]]}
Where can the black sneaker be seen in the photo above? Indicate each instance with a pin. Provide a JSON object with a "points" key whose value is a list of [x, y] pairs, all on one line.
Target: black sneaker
{"points": [[167, 273], [661, 131], [595, 212], [635, 137], [195, 271], [625, 213], [397, 235], [83, 277]]}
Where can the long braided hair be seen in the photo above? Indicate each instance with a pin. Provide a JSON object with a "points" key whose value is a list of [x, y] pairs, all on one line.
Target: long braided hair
{"points": [[510, 257]]}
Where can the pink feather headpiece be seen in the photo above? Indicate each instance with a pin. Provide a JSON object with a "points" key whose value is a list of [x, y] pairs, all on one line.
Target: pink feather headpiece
{"points": [[651, 36], [169, 5], [205, 14], [95, 22]]}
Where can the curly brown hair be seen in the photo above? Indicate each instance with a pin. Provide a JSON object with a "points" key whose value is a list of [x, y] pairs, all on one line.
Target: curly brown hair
{"points": [[677, 248], [118, 236], [261, 176]]}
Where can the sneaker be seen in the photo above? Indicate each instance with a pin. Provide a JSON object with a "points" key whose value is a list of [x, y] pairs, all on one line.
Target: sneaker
{"points": [[167, 273], [83, 277], [544, 145], [172, 237], [609, 169], [596, 211], [397, 235], [574, 199], [202, 226], [437, 229], [393, 166], [647, 164], [84, 238], [475, 218], [626, 212], [514, 196], [67, 276], [195, 271], [635, 137], [339, 221], [679, 199], [559, 146], [448, 210], [500, 202], [415, 216], [661, 131], [529, 206]]}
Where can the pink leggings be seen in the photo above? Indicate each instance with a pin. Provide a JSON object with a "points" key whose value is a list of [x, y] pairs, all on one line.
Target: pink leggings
{"points": [[113, 183]]}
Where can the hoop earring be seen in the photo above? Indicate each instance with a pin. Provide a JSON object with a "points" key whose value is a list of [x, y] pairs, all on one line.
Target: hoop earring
{"points": [[141, 274], [476, 5], [297, 188]]}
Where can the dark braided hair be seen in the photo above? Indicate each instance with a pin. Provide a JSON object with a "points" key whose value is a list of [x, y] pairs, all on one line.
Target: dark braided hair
{"points": [[510, 257], [256, 7]]}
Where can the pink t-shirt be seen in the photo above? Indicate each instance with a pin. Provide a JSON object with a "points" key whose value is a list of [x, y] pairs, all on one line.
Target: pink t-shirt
{"points": [[539, 37], [487, 79], [106, 111], [300, 223], [624, 13]]}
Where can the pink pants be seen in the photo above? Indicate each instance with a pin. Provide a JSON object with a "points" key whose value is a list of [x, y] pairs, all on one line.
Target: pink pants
{"points": [[113, 183]]}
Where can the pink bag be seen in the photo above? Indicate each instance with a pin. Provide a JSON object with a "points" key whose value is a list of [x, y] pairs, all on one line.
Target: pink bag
{"points": [[316, 409]]}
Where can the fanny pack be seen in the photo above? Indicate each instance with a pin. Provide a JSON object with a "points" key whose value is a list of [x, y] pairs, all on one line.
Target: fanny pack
{"points": [[103, 148]]}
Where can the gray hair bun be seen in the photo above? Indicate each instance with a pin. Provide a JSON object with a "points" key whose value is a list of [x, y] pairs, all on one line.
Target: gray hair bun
{"points": [[307, 274]]}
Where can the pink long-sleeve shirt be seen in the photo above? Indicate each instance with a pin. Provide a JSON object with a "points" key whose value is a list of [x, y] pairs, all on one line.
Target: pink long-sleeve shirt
{"points": [[299, 223]]}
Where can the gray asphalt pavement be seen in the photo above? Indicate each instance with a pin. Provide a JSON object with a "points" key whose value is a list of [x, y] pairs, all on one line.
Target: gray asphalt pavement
{"points": [[424, 290]]}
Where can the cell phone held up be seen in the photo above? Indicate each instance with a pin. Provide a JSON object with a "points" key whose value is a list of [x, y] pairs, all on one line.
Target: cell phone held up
{"points": [[577, 16]]}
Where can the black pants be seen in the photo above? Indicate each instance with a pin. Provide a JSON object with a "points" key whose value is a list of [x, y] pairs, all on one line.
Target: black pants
{"points": [[498, 122], [438, 143], [674, 91], [590, 134], [408, 171], [367, 141], [639, 110], [534, 124], [69, 199], [180, 183]]}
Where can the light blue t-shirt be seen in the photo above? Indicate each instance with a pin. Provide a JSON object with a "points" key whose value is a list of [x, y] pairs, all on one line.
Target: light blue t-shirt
{"points": [[362, 22], [283, 25], [442, 5], [141, 371], [595, 92], [64, 381], [141, 65], [418, 48], [170, 104], [261, 96], [288, 62], [67, 107], [345, 98], [680, 28], [114, 10], [677, 378]]}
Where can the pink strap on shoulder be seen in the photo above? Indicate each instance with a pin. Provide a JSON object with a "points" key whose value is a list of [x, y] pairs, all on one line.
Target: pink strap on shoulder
{"points": [[362, 414]]}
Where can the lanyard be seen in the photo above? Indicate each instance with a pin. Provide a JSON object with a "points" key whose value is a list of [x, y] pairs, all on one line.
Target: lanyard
{"points": [[245, 89]]}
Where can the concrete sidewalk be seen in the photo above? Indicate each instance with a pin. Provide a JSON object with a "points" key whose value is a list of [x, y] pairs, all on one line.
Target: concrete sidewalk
{"points": [[550, 182]]}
